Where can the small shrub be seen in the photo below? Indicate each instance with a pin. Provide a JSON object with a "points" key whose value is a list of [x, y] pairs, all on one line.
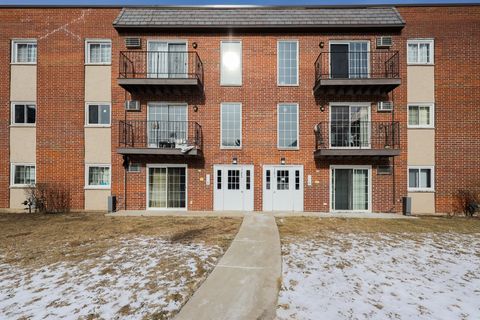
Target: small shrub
{"points": [[468, 201], [49, 197]]}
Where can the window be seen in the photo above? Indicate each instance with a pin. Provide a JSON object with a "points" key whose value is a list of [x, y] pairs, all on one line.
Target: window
{"points": [[231, 63], [167, 59], [24, 51], [420, 116], [287, 134], [98, 52], [231, 125], [287, 63], [248, 180], [133, 167], [167, 125], [350, 126], [420, 51], [219, 179], [98, 114], [297, 179], [420, 179], [23, 113], [23, 175], [283, 179], [233, 179], [267, 180], [98, 176]]}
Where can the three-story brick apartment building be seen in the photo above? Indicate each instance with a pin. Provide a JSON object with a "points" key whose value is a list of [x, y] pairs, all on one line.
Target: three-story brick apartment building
{"points": [[276, 109]]}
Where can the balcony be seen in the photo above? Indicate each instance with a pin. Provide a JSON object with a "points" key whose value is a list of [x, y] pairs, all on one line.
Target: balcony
{"points": [[357, 139], [357, 72], [159, 72], [166, 138]]}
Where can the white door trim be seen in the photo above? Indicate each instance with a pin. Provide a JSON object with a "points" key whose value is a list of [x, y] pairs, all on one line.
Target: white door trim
{"points": [[169, 165], [266, 167], [370, 182]]}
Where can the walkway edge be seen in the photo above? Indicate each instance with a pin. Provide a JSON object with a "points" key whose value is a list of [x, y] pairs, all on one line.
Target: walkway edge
{"points": [[245, 283]]}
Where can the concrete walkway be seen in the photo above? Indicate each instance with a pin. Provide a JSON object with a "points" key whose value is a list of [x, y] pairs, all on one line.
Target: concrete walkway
{"points": [[245, 283]]}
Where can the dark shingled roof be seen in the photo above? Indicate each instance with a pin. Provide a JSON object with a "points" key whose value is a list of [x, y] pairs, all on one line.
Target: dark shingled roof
{"points": [[259, 17]]}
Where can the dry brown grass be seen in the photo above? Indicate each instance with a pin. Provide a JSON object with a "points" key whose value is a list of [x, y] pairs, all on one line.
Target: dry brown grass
{"points": [[315, 227], [31, 240]]}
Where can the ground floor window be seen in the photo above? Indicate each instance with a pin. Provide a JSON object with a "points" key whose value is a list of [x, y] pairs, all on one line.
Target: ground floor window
{"points": [[23, 174], [98, 176], [420, 179], [167, 187], [350, 189]]}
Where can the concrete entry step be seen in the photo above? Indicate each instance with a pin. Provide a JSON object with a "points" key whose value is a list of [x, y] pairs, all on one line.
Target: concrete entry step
{"points": [[245, 283]]}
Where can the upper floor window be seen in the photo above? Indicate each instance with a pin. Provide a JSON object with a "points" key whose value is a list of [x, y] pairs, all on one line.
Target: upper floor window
{"points": [[98, 114], [22, 174], [24, 51], [287, 63], [287, 127], [420, 116], [98, 52], [420, 51], [231, 125], [23, 113], [231, 63], [420, 178]]}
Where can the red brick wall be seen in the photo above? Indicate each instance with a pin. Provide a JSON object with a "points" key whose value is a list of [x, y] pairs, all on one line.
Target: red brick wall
{"points": [[60, 35], [456, 31], [259, 96], [60, 103]]}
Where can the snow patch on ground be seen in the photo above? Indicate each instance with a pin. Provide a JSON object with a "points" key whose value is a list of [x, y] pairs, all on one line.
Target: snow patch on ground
{"points": [[140, 277], [381, 276]]}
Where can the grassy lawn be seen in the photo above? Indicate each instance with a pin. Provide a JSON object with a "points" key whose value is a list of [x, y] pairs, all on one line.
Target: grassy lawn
{"points": [[425, 268], [92, 266]]}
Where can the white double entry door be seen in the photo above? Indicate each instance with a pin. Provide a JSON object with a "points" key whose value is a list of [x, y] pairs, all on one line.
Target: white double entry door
{"points": [[282, 188], [233, 187]]}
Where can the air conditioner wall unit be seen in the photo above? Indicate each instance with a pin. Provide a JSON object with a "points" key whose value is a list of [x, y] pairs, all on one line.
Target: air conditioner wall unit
{"points": [[133, 43], [385, 106], [384, 42], [132, 105]]}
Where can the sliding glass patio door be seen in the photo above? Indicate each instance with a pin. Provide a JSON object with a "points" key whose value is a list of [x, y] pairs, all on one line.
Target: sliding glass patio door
{"points": [[350, 126], [167, 187], [167, 60], [167, 124], [349, 60], [350, 189]]}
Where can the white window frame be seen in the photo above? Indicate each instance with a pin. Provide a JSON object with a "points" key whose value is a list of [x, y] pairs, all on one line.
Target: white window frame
{"points": [[278, 126], [348, 42], [221, 126], [88, 42], [12, 174], [419, 189], [97, 125], [418, 42], [12, 114], [296, 84], [166, 165], [421, 126], [222, 82], [87, 171], [370, 186], [349, 104], [15, 42]]}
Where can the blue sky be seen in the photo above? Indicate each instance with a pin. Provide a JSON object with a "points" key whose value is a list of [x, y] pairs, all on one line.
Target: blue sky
{"points": [[219, 2]]}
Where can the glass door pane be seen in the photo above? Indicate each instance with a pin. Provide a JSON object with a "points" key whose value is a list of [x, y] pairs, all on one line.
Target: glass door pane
{"points": [[340, 126], [177, 60], [360, 189], [177, 117], [157, 59], [176, 188], [342, 189], [358, 60], [339, 61], [157, 187], [359, 127]]}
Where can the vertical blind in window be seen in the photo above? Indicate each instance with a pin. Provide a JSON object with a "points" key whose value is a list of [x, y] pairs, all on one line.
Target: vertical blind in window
{"points": [[99, 52], [99, 176]]}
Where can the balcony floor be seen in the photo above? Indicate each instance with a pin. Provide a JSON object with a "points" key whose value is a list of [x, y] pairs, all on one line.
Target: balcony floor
{"points": [[160, 85], [160, 152], [355, 153], [356, 86]]}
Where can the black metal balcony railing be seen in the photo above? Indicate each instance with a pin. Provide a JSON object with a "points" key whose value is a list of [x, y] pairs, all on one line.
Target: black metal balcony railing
{"points": [[357, 65], [160, 134], [357, 135], [160, 65]]}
